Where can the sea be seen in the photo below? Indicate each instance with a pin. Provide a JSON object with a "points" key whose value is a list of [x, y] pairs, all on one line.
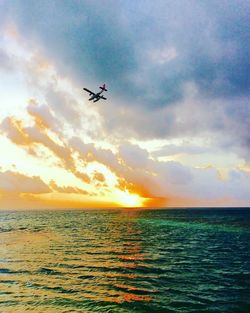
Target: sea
{"points": [[125, 260]]}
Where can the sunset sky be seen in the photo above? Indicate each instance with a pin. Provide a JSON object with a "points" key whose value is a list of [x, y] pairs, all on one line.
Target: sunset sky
{"points": [[175, 129]]}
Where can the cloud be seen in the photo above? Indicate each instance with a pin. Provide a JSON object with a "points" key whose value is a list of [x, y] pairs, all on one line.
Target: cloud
{"points": [[172, 180], [162, 56], [171, 150], [31, 136], [134, 122], [67, 189], [64, 105], [99, 177], [210, 39], [176, 71], [134, 156], [43, 116], [148, 58], [5, 61], [137, 173], [34, 136], [89, 152], [15, 182]]}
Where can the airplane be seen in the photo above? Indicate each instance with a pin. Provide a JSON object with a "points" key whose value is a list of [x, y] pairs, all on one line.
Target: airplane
{"points": [[97, 96]]}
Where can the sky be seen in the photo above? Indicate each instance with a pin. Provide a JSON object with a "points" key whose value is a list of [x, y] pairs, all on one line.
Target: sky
{"points": [[175, 129]]}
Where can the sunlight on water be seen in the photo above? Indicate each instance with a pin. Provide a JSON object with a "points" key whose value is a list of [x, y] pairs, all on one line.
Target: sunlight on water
{"points": [[124, 261]]}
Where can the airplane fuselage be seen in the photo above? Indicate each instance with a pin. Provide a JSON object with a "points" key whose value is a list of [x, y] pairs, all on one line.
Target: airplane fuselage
{"points": [[98, 95]]}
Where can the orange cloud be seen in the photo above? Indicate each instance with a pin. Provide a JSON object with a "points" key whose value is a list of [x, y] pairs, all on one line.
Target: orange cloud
{"points": [[134, 177], [14, 130], [11, 182], [99, 177], [83, 176], [42, 115], [134, 181], [67, 189], [31, 137]]}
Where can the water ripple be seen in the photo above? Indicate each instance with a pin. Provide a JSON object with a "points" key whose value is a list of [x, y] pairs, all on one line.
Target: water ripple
{"points": [[103, 261]]}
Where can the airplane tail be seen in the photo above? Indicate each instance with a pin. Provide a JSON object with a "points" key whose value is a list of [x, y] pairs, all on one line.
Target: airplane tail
{"points": [[103, 87]]}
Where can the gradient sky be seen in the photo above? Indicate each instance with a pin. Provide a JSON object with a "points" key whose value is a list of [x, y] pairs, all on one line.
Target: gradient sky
{"points": [[175, 130]]}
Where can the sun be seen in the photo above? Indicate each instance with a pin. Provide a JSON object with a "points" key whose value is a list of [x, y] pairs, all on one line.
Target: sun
{"points": [[127, 199]]}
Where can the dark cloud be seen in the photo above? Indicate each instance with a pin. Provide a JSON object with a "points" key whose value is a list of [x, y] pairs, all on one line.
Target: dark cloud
{"points": [[148, 52], [84, 37], [113, 41]]}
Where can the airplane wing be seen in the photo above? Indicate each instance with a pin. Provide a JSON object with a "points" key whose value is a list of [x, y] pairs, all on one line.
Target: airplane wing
{"points": [[103, 98], [89, 91]]}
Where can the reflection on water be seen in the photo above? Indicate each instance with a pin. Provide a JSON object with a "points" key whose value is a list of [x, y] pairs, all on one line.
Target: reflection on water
{"points": [[123, 261]]}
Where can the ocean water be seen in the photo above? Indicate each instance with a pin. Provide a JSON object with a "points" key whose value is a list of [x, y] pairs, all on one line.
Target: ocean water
{"points": [[182, 260]]}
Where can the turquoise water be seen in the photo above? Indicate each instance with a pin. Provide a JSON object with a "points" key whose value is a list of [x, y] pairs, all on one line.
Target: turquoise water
{"points": [[192, 260]]}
